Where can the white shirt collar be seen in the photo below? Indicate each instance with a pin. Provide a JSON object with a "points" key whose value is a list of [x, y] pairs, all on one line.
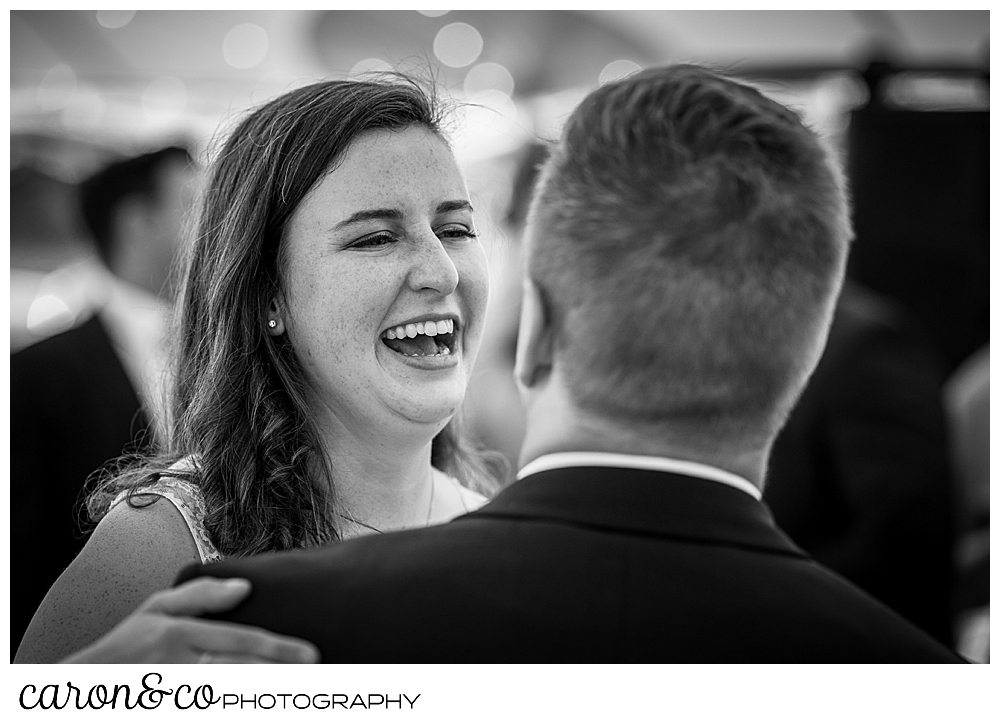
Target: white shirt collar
{"points": [[554, 461]]}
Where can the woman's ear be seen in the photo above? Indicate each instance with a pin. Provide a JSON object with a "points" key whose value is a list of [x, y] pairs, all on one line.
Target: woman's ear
{"points": [[275, 320], [534, 339]]}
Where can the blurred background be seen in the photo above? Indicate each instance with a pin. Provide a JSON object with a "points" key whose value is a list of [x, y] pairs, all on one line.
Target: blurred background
{"points": [[901, 96], [87, 86]]}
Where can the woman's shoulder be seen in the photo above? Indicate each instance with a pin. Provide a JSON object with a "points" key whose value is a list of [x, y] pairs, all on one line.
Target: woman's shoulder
{"points": [[151, 520], [134, 551], [166, 498]]}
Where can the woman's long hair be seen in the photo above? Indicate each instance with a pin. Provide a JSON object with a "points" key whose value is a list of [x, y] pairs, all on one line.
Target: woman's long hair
{"points": [[238, 405]]}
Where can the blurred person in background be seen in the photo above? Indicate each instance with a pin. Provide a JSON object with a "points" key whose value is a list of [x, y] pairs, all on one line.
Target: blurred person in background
{"points": [[493, 406], [685, 248], [85, 396], [967, 402], [46, 230], [331, 309], [859, 476]]}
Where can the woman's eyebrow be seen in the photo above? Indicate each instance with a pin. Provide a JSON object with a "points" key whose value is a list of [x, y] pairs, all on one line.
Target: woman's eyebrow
{"points": [[370, 215], [459, 205], [395, 214]]}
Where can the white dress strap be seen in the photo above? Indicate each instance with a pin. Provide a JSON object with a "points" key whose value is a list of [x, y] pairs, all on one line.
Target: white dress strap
{"points": [[190, 503]]}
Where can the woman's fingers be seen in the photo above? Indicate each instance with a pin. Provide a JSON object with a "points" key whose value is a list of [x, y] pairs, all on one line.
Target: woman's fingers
{"points": [[201, 595]]}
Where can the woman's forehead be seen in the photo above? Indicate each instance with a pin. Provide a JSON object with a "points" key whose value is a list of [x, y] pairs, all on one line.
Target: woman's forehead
{"points": [[410, 165], [413, 144]]}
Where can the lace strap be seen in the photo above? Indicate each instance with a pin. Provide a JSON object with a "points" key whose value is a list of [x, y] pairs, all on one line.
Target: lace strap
{"points": [[190, 503]]}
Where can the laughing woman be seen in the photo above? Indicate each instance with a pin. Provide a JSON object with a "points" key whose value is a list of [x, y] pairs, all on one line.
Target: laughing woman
{"points": [[331, 309]]}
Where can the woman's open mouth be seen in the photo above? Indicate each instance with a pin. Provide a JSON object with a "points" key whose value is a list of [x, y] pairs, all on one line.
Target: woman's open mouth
{"points": [[428, 338]]}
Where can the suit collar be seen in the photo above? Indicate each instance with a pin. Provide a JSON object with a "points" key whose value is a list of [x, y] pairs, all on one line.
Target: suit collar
{"points": [[642, 502], [585, 459]]}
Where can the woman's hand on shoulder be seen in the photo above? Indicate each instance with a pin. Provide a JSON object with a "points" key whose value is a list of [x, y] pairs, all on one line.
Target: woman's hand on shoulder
{"points": [[161, 630]]}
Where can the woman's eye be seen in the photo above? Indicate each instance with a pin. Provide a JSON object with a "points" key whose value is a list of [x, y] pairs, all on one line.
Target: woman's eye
{"points": [[456, 231], [373, 240]]}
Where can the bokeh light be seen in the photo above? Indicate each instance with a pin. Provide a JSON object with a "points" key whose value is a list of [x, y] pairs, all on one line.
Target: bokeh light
{"points": [[458, 45], [499, 102], [488, 126], [113, 19], [491, 113], [369, 65], [433, 13], [49, 314], [488, 76], [245, 45], [57, 88], [60, 298], [617, 69]]}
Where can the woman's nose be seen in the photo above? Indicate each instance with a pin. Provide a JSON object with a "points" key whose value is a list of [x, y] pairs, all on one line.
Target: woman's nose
{"points": [[433, 267]]}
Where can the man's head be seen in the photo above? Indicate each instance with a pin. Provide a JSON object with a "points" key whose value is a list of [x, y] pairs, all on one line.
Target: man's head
{"points": [[134, 210], [684, 249]]}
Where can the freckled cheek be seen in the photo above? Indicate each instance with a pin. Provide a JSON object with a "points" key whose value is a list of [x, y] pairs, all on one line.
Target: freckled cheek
{"points": [[332, 357], [331, 332], [474, 280]]}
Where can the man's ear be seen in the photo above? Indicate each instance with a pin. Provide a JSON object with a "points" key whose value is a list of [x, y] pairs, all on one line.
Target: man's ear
{"points": [[534, 339]]}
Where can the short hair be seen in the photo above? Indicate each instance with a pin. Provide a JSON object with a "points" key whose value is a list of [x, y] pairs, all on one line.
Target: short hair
{"points": [[240, 396], [101, 193], [688, 238]]}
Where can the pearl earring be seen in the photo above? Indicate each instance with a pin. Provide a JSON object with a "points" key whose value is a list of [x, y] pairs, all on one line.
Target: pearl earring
{"points": [[272, 324]]}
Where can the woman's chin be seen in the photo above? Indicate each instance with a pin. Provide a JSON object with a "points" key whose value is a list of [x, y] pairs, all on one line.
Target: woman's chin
{"points": [[430, 396], [436, 416], [432, 407]]}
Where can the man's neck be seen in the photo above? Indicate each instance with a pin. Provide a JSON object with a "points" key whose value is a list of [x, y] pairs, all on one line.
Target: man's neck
{"points": [[556, 425]]}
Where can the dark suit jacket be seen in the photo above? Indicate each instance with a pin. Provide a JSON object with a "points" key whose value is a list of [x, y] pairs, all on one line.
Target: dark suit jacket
{"points": [[578, 565], [859, 476], [72, 409]]}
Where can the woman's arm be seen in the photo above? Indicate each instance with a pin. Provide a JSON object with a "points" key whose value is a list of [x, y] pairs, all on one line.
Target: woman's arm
{"points": [[132, 553]]}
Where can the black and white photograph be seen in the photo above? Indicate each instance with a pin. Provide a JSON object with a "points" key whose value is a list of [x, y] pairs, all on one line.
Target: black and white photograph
{"points": [[550, 351]]}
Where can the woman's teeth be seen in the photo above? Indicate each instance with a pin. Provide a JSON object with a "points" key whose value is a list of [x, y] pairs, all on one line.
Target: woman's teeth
{"points": [[422, 339], [431, 329]]}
